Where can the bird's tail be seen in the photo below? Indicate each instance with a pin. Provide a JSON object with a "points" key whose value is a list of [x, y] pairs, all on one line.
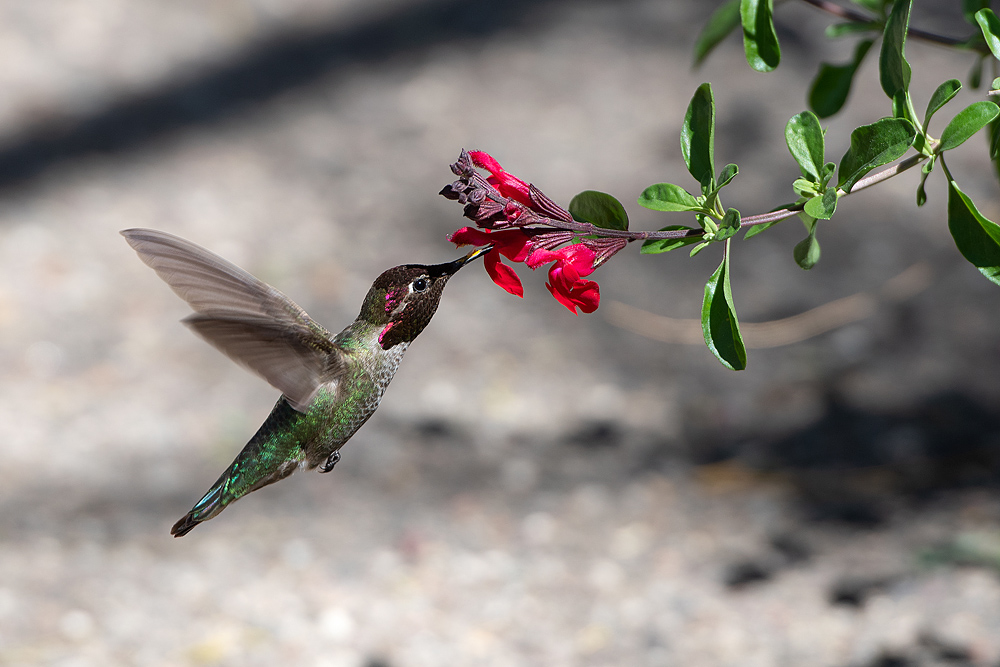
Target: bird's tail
{"points": [[211, 504], [265, 460]]}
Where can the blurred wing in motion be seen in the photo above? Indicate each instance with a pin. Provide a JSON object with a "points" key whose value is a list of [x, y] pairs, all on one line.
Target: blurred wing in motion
{"points": [[251, 322]]}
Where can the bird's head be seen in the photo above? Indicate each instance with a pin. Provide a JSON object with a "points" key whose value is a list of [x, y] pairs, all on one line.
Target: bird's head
{"points": [[404, 298]]}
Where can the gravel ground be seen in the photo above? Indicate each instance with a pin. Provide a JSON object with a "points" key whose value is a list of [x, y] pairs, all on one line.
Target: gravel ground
{"points": [[537, 488]]}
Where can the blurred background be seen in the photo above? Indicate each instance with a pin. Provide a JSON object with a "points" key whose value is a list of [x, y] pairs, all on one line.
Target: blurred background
{"points": [[537, 488]]}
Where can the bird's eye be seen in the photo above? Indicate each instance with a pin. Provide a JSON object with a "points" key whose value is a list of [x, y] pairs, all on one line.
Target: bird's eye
{"points": [[419, 285]]}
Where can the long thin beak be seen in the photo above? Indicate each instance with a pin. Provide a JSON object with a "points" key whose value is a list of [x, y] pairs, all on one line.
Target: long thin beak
{"points": [[476, 254], [450, 268]]}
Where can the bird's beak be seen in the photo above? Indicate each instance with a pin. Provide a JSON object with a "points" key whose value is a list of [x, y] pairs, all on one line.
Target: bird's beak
{"points": [[450, 268], [475, 254]]}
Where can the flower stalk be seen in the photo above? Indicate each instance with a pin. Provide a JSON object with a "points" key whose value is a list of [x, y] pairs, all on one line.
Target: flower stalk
{"points": [[485, 205]]}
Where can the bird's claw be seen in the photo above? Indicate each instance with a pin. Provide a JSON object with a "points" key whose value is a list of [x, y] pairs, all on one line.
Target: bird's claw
{"points": [[330, 462]]}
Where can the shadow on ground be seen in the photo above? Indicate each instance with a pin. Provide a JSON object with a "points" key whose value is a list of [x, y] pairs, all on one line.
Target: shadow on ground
{"points": [[266, 70], [852, 462], [851, 467]]}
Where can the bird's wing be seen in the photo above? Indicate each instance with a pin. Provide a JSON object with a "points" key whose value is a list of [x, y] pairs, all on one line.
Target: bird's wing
{"points": [[251, 322]]}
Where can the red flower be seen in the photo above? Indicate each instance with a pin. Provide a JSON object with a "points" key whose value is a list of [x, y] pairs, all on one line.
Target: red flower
{"points": [[525, 207], [508, 185], [571, 290], [511, 243], [566, 281]]}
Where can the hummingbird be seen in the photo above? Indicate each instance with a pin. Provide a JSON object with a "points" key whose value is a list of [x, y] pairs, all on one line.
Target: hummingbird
{"points": [[330, 384]]}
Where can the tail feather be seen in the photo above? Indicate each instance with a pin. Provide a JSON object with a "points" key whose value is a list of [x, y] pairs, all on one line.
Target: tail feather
{"points": [[185, 525], [211, 504], [264, 460]]}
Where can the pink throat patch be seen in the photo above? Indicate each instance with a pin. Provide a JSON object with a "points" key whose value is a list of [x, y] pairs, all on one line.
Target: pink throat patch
{"points": [[385, 331], [392, 297]]}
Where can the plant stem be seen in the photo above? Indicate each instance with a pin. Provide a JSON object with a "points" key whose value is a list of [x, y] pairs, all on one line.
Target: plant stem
{"points": [[586, 228], [770, 216], [944, 167], [858, 17], [866, 182], [837, 10], [880, 176]]}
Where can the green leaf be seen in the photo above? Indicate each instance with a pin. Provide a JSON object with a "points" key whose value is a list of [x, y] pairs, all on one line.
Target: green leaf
{"points": [[822, 206], [722, 22], [698, 248], [806, 187], [656, 246], [832, 84], [727, 174], [970, 7], [925, 171], [941, 96], [966, 123], [828, 170], [835, 30], [760, 41], [804, 137], [708, 225], [977, 238], [698, 137], [873, 146], [600, 209], [718, 319], [729, 225], [668, 197], [990, 25], [902, 107], [894, 71], [806, 252]]}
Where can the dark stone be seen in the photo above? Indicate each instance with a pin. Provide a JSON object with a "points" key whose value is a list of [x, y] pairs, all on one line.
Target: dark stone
{"points": [[747, 572]]}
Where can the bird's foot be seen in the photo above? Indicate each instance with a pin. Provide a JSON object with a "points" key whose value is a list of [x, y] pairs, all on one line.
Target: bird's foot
{"points": [[330, 462]]}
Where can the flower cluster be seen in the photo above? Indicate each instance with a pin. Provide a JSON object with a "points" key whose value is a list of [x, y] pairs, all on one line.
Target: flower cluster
{"points": [[524, 225]]}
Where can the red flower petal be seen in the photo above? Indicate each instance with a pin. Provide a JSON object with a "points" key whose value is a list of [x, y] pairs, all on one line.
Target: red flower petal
{"points": [[470, 236], [511, 243], [485, 161], [502, 275], [587, 297], [506, 184], [572, 291], [577, 255]]}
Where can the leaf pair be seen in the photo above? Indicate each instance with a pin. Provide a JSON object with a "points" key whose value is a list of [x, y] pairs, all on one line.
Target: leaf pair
{"points": [[894, 74], [805, 141], [698, 149], [719, 325], [832, 85], [718, 314], [966, 123]]}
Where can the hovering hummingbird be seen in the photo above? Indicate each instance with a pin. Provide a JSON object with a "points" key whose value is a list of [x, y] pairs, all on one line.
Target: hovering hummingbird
{"points": [[330, 384]]}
